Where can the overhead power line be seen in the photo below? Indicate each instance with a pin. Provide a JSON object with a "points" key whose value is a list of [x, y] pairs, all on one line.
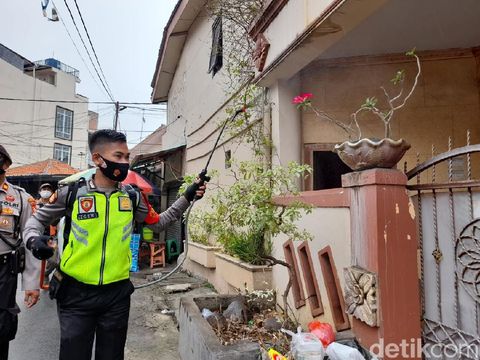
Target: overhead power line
{"points": [[81, 102], [88, 52], [78, 51], [91, 44]]}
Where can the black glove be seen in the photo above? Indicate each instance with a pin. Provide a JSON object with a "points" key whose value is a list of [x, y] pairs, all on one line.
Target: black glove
{"points": [[191, 192], [40, 248]]}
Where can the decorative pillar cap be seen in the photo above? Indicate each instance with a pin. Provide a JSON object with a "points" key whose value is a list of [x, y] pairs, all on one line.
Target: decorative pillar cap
{"points": [[374, 177]]}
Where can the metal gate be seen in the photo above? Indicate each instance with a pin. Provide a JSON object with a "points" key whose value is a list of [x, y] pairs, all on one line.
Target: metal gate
{"points": [[447, 200]]}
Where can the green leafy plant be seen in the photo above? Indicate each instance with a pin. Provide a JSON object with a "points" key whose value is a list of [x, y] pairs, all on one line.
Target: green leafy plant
{"points": [[243, 217]]}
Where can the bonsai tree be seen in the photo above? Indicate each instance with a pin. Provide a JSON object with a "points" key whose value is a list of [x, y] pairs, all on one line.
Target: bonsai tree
{"points": [[371, 104]]}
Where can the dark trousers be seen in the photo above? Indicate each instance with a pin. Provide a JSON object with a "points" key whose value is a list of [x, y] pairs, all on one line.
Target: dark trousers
{"points": [[8, 306], [87, 312]]}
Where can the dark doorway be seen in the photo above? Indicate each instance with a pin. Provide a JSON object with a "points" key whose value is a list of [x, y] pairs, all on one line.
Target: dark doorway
{"points": [[328, 170]]}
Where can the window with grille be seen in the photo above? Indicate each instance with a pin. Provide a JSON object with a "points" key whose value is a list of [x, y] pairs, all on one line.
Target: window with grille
{"points": [[62, 153], [216, 55], [64, 123]]}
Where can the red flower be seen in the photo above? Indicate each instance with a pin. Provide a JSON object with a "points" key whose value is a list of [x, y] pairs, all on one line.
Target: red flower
{"points": [[302, 98]]}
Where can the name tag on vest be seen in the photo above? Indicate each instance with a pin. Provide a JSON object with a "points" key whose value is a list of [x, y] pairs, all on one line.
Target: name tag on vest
{"points": [[87, 208], [124, 203]]}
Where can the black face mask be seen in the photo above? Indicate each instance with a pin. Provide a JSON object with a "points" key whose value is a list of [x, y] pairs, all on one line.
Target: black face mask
{"points": [[1, 167], [115, 171]]}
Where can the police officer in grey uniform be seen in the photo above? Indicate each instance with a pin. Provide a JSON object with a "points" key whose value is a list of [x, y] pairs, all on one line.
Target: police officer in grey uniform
{"points": [[16, 207], [92, 285]]}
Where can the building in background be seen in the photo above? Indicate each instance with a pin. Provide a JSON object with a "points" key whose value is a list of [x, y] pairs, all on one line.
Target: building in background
{"points": [[38, 130], [31, 176], [164, 168]]}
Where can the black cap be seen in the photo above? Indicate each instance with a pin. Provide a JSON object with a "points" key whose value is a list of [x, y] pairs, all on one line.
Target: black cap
{"points": [[5, 154]]}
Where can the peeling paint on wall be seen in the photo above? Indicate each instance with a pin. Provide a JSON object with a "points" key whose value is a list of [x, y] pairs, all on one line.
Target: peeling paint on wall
{"points": [[411, 209]]}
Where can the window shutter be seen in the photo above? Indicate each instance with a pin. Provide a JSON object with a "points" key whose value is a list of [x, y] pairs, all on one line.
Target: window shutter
{"points": [[216, 55]]}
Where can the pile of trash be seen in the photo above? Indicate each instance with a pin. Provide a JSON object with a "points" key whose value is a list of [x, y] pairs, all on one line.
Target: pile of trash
{"points": [[263, 324], [320, 344], [251, 319]]}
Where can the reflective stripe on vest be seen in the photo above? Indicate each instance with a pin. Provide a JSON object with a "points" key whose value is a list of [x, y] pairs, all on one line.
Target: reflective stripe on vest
{"points": [[98, 250]]}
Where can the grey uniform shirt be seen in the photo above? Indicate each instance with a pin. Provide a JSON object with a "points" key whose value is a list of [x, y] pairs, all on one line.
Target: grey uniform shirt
{"points": [[15, 201], [57, 209]]}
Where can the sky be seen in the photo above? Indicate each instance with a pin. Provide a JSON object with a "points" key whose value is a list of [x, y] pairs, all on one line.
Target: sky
{"points": [[126, 35]]}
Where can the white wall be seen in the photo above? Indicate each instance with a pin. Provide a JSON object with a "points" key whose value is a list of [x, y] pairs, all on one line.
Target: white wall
{"points": [[28, 128], [196, 102], [329, 227], [286, 122]]}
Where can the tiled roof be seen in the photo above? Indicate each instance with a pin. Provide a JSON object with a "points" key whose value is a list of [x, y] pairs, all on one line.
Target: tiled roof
{"points": [[46, 167]]}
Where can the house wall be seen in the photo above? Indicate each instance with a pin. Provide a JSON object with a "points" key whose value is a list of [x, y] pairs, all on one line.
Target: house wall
{"points": [[294, 18], [197, 103], [445, 103], [29, 127], [150, 144], [329, 227]]}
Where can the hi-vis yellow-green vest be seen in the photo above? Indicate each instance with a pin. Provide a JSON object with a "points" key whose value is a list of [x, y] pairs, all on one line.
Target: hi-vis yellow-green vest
{"points": [[98, 249]]}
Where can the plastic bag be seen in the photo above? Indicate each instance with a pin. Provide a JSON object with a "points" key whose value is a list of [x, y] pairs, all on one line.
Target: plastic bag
{"points": [[337, 351], [354, 344], [323, 331], [305, 346], [206, 313]]}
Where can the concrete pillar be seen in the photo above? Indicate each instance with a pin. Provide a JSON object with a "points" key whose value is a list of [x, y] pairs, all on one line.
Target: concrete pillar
{"points": [[384, 242], [286, 122]]}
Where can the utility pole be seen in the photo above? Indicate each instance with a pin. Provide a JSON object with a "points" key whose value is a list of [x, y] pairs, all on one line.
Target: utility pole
{"points": [[115, 121]]}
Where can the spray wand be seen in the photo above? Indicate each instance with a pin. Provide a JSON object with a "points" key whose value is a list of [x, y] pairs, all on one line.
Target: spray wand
{"points": [[203, 177]]}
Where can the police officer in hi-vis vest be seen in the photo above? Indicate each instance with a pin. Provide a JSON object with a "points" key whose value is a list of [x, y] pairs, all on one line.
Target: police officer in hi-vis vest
{"points": [[92, 286], [16, 206]]}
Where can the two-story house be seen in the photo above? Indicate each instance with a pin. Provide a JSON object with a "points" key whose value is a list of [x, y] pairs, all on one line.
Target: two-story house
{"points": [[342, 52]]}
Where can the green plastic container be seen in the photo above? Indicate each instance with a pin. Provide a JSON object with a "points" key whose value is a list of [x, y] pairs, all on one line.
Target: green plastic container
{"points": [[147, 234]]}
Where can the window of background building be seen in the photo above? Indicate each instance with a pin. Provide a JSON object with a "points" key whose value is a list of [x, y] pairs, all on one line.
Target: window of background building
{"points": [[64, 123], [62, 153]]}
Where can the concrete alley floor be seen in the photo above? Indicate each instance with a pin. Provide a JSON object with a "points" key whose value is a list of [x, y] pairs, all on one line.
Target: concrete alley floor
{"points": [[151, 334]]}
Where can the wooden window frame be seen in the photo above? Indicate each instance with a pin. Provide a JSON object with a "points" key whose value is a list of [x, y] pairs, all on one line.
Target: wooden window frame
{"points": [[334, 290], [297, 286], [310, 278]]}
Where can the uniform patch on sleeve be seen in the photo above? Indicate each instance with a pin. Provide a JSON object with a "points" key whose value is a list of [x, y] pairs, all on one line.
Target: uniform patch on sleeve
{"points": [[124, 203]]}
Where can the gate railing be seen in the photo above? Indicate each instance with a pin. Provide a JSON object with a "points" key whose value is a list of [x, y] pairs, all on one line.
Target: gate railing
{"points": [[448, 220]]}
